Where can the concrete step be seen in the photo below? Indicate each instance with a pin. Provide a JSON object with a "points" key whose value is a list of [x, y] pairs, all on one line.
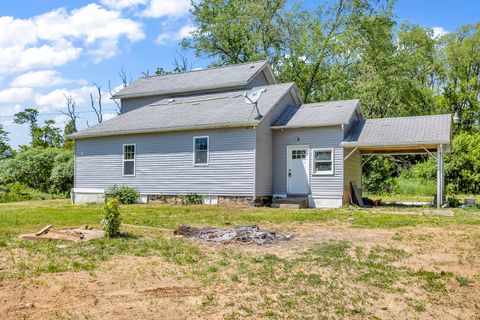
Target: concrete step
{"points": [[287, 205], [290, 202]]}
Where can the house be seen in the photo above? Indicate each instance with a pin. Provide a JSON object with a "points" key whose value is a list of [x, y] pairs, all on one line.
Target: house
{"points": [[197, 132]]}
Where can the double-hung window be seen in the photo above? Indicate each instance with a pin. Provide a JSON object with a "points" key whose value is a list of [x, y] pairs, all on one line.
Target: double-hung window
{"points": [[200, 150], [129, 151], [323, 161]]}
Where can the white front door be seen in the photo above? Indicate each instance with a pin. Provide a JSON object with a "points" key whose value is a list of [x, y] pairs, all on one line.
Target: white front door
{"points": [[297, 170]]}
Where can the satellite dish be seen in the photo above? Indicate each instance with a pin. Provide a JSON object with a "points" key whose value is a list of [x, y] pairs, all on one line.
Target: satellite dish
{"points": [[252, 98]]}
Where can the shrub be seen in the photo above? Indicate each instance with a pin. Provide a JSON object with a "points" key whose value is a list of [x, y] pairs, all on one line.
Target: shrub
{"points": [[43, 169], [377, 176], [462, 165], [14, 192], [111, 223], [61, 177], [191, 198], [124, 194]]}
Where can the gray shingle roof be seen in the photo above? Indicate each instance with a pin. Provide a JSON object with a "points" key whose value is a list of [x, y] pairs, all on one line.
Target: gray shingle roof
{"points": [[231, 76], [200, 111], [406, 131], [317, 114]]}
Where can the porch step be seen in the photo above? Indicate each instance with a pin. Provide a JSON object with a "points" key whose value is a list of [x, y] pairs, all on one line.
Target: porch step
{"points": [[290, 202]]}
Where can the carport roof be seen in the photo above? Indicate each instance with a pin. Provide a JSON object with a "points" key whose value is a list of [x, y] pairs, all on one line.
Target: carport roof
{"points": [[400, 135]]}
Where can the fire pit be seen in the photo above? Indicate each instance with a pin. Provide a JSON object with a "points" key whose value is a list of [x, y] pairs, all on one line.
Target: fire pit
{"points": [[244, 234]]}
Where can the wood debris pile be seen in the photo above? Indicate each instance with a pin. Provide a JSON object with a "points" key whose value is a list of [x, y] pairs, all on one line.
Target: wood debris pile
{"points": [[84, 233], [244, 234]]}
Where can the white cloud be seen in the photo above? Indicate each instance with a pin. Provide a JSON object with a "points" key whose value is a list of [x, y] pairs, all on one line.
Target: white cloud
{"points": [[167, 8], [57, 37], [438, 32], [184, 32], [43, 78], [122, 4], [10, 111], [16, 95], [108, 116], [55, 100], [60, 121]]}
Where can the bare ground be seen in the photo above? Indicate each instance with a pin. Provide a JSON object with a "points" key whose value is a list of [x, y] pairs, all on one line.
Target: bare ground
{"points": [[128, 287]]}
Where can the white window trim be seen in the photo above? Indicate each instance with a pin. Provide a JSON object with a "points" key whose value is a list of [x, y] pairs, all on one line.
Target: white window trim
{"points": [[323, 173], [208, 152], [134, 160]]}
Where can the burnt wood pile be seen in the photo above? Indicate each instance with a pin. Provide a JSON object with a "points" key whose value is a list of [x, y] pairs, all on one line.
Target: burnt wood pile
{"points": [[244, 234]]}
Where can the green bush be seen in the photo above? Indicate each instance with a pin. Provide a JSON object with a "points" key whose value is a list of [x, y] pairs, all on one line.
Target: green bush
{"points": [[191, 198], [462, 165], [111, 223], [14, 192], [61, 176], [378, 175], [124, 194], [43, 169]]}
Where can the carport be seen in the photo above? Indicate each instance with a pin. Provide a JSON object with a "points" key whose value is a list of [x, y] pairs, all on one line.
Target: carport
{"points": [[406, 135]]}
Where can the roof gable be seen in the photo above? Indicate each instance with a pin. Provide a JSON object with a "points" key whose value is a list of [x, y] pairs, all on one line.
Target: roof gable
{"points": [[211, 79]]}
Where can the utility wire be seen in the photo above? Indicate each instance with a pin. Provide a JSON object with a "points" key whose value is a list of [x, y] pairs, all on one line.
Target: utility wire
{"points": [[59, 113]]}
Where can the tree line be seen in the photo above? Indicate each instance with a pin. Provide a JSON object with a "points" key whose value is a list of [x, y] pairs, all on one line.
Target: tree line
{"points": [[355, 49]]}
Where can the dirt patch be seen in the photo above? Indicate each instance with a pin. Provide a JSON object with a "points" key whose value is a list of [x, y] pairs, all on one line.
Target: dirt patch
{"points": [[276, 281], [123, 288]]}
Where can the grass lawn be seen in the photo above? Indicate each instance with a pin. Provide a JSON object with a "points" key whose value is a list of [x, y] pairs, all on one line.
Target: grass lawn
{"points": [[343, 263]]}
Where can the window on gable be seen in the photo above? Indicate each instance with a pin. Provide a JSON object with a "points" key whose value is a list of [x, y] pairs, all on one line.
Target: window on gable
{"points": [[323, 161], [200, 150], [129, 160]]}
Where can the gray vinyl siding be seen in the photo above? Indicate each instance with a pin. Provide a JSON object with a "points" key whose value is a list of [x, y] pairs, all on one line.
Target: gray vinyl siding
{"points": [[259, 80], [353, 168], [356, 116], [164, 163], [321, 186], [129, 104], [264, 148]]}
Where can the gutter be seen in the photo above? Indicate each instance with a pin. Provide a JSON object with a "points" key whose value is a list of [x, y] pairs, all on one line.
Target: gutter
{"points": [[307, 126], [159, 130], [391, 144]]}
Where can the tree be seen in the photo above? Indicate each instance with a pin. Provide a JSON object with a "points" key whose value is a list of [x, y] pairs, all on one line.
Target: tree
{"points": [[47, 136], [97, 109], [5, 148], [71, 113], [68, 130], [236, 31], [462, 85], [28, 116], [125, 82]]}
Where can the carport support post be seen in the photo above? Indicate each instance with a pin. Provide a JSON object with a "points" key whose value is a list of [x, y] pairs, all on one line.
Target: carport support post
{"points": [[439, 176]]}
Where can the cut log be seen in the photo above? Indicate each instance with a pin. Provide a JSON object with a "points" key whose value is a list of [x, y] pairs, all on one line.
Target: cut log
{"points": [[43, 230]]}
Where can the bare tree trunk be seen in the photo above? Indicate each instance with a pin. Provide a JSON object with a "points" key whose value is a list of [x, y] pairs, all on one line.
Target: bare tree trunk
{"points": [[97, 109], [71, 113]]}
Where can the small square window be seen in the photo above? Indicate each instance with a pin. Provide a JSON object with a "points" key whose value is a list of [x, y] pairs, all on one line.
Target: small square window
{"points": [[323, 161]]}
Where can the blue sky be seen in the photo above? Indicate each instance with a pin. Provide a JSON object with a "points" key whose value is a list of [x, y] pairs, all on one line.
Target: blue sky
{"points": [[50, 48]]}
